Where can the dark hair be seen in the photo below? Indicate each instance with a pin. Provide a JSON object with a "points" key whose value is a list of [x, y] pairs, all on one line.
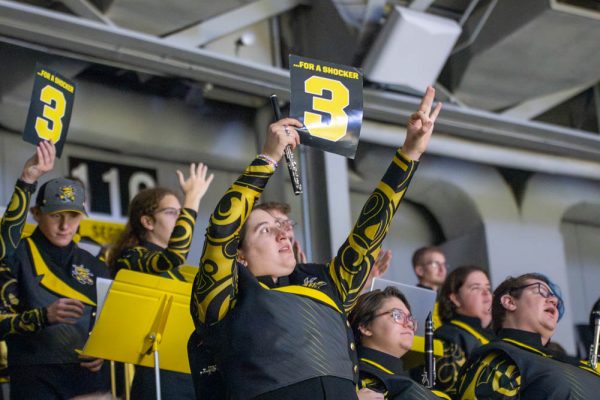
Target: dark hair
{"points": [[454, 281], [146, 202], [512, 286], [267, 206], [419, 254], [367, 305]]}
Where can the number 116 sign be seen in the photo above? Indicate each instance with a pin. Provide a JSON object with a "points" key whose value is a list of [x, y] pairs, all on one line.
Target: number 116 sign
{"points": [[50, 108], [327, 98]]}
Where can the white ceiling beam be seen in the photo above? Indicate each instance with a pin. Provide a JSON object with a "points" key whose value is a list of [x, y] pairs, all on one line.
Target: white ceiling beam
{"points": [[420, 5], [531, 108], [232, 21], [85, 9]]}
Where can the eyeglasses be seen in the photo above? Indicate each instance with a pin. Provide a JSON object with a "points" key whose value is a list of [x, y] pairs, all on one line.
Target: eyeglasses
{"points": [[542, 290], [401, 318], [285, 224], [437, 264], [169, 211]]}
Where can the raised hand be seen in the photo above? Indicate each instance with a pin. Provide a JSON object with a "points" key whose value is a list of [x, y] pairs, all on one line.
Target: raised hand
{"points": [[279, 135], [195, 186], [39, 163], [420, 126], [64, 311], [381, 264], [368, 394]]}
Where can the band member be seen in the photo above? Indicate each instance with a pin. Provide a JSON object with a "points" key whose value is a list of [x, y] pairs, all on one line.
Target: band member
{"points": [[430, 267], [48, 288], [466, 313], [157, 240], [525, 312], [288, 338], [384, 327]]}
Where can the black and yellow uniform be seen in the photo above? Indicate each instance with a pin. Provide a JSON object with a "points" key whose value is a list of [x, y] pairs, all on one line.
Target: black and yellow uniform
{"points": [[42, 359], [291, 339], [152, 259], [517, 366], [460, 336], [384, 373]]}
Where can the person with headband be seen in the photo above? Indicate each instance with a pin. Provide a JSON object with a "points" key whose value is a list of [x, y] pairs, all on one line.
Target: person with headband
{"points": [[157, 240], [465, 305], [279, 329], [48, 293], [518, 365], [384, 328]]}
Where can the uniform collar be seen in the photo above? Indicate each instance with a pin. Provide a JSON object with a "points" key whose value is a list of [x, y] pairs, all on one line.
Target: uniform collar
{"points": [[387, 361], [60, 255], [425, 286], [529, 338], [267, 280]]}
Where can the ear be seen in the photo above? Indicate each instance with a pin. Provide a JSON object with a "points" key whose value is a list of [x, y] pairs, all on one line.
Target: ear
{"points": [[454, 299], [364, 330], [147, 222], [508, 302], [35, 211], [419, 271], [241, 259]]}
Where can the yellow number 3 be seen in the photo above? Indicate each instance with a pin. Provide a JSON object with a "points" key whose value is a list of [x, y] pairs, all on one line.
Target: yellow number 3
{"points": [[340, 98], [50, 126]]}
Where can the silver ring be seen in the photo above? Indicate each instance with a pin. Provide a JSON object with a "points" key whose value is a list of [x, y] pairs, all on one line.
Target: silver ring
{"points": [[287, 132]]}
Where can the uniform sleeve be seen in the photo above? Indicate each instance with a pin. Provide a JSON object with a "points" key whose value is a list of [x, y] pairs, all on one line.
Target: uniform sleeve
{"points": [[11, 320], [13, 221], [215, 286], [447, 367], [351, 266], [492, 376], [142, 259]]}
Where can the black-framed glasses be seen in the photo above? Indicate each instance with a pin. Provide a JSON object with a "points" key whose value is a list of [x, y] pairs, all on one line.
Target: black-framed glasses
{"points": [[542, 290], [400, 317]]}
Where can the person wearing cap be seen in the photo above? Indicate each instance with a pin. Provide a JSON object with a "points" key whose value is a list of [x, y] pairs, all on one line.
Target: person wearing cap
{"points": [[48, 291], [519, 365]]}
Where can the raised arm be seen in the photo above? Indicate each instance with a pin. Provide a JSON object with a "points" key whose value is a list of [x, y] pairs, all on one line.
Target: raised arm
{"points": [[13, 220], [351, 266], [214, 288], [142, 259]]}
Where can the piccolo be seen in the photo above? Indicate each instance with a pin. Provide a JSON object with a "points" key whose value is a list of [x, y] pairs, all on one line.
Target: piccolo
{"points": [[429, 371], [289, 155], [594, 347]]}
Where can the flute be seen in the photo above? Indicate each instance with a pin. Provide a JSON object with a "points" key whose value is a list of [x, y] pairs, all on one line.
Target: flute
{"points": [[289, 155], [429, 372], [593, 357]]}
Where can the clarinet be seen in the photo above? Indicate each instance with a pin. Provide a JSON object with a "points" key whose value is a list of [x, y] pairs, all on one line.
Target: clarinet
{"points": [[594, 347], [289, 155], [428, 379]]}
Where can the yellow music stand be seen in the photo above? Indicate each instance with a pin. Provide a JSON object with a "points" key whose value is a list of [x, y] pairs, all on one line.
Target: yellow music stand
{"points": [[144, 315]]}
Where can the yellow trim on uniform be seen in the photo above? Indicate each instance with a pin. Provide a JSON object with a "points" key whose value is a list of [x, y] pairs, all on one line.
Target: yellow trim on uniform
{"points": [[472, 331], [376, 365], [523, 345], [51, 281], [306, 292], [441, 395]]}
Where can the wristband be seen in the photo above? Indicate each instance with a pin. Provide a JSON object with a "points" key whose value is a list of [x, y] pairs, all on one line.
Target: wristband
{"points": [[268, 159]]}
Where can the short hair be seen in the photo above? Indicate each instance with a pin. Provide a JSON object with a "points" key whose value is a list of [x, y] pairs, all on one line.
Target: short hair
{"points": [[283, 208], [511, 285], [419, 254], [367, 305], [454, 281]]}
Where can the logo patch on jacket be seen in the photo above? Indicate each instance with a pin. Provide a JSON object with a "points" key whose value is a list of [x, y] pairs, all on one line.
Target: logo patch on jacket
{"points": [[82, 275], [313, 283]]}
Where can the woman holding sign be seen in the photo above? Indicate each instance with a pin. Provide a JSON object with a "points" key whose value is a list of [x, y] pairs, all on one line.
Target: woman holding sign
{"points": [[157, 240], [279, 329]]}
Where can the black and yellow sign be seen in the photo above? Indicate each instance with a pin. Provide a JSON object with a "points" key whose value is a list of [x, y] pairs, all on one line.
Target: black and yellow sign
{"points": [[327, 98], [50, 109]]}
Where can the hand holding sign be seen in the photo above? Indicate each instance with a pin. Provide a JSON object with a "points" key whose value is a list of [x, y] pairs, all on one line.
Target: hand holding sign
{"points": [[40, 163], [50, 109], [327, 98]]}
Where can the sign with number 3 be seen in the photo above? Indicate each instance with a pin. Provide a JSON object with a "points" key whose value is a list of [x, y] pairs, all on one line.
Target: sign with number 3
{"points": [[50, 108], [327, 98]]}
